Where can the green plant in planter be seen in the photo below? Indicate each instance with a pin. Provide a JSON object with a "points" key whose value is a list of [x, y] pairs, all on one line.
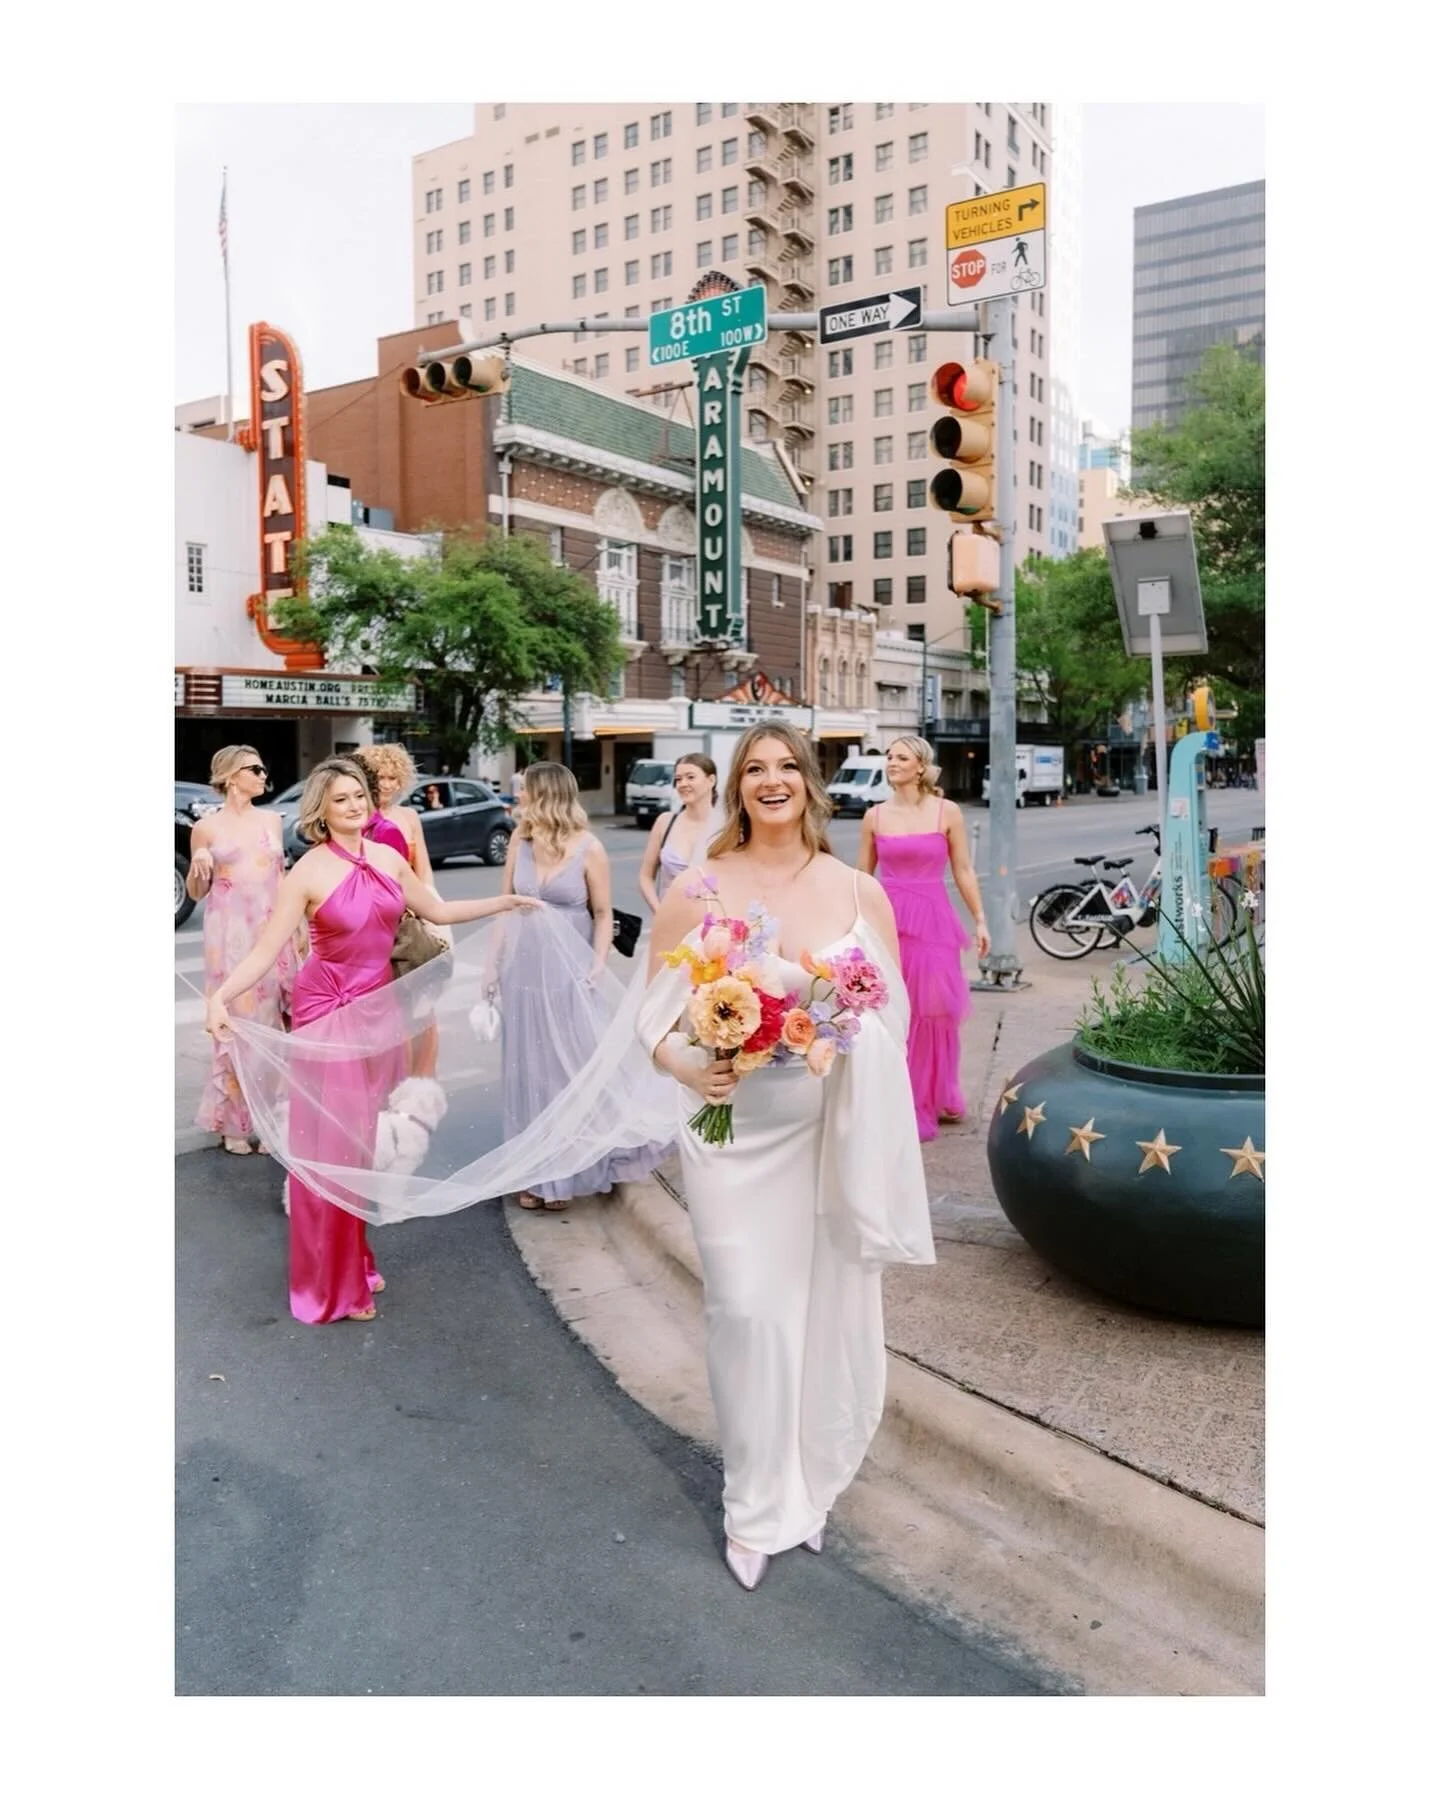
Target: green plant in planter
{"points": [[1203, 1014]]}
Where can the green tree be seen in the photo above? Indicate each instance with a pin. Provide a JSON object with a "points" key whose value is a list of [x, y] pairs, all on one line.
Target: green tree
{"points": [[479, 624], [1211, 461]]}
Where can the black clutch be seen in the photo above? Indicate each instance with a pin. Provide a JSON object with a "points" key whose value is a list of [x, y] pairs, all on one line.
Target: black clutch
{"points": [[627, 932]]}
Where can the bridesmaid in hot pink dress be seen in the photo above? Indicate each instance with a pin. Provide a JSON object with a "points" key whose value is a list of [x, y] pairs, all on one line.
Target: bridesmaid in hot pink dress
{"points": [[913, 836], [353, 890]]}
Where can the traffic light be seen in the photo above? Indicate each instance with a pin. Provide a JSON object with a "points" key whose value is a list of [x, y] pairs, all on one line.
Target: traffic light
{"points": [[463, 377], [975, 567], [965, 438]]}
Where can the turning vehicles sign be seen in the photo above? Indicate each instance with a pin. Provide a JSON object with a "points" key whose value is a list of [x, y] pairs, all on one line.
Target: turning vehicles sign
{"points": [[994, 244]]}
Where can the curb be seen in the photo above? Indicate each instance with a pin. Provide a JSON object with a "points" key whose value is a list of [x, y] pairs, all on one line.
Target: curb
{"points": [[1057, 1554]]}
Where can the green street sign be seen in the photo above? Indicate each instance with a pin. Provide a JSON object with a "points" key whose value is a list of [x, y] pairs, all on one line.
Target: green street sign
{"points": [[717, 494], [708, 326]]}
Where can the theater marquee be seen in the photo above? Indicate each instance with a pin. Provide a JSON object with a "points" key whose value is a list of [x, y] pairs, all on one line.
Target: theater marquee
{"points": [[276, 434]]}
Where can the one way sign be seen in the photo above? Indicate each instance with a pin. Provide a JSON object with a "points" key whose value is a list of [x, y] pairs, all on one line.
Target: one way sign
{"points": [[867, 317]]}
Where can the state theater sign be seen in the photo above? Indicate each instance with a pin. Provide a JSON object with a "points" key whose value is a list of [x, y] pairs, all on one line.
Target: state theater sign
{"points": [[276, 436]]}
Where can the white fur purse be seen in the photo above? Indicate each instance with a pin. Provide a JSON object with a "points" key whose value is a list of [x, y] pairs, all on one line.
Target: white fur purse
{"points": [[485, 1018], [402, 1129]]}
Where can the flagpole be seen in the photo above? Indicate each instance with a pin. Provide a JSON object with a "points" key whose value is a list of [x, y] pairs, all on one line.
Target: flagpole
{"points": [[229, 338]]}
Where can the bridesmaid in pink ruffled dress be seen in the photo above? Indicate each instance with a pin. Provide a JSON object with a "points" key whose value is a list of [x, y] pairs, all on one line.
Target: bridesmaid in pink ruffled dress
{"points": [[913, 836], [353, 891]]}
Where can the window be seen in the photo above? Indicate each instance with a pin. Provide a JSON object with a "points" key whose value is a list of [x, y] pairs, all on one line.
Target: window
{"points": [[509, 261], [464, 274], [915, 541], [434, 199], [755, 144], [919, 146], [432, 243], [884, 207], [602, 280], [704, 205], [632, 360], [632, 311], [195, 566], [1010, 177], [755, 241], [487, 181], [729, 151], [914, 495], [509, 305], [884, 109], [704, 158], [632, 180], [1012, 135], [883, 589], [841, 548], [842, 268], [842, 168], [705, 253], [434, 317], [841, 118], [729, 108], [464, 230], [884, 545], [487, 225], [730, 247], [602, 366], [885, 259], [917, 346], [841, 409], [582, 365], [601, 144], [660, 172], [884, 401], [842, 501], [839, 600], [632, 136], [884, 450], [509, 218], [632, 274], [602, 236], [632, 227], [841, 361], [840, 218], [435, 281], [702, 112], [915, 395], [919, 200], [916, 443], [755, 199], [660, 217], [467, 311], [915, 588], [577, 243], [659, 125], [660, 265], [577, 153], [602, 190], [883, 498], [730, 199], [507, 175], [916, 249], [884, 157], [489, 310], [839, 455]]}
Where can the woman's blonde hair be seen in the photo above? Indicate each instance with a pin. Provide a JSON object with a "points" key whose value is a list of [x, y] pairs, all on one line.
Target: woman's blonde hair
{"points": [[552, 813], [225, 763], [381, 758], [310, 819], [925, 754], [736, 830]]}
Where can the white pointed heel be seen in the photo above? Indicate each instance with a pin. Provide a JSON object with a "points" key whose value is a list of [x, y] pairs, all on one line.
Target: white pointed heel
{"points": [[816, 1541], [747, 1568]]}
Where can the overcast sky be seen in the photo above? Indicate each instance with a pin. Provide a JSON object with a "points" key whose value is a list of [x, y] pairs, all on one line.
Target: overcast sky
{"points": [[319, 212]]}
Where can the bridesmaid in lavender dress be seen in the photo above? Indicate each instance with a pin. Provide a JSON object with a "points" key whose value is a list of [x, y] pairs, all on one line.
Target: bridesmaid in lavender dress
{"points": [[554, 857], [680, 838]]}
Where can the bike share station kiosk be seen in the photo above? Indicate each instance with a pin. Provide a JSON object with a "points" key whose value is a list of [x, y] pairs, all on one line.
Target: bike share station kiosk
{"points": [[1157, 592]]}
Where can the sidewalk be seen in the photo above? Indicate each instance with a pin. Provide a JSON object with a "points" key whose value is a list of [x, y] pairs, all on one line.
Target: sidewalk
{"points": [[1083, 1477]]}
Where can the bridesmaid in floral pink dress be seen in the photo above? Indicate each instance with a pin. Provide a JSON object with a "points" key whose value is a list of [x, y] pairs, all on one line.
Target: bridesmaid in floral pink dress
{"points": [[914, 836], [236, 862]]}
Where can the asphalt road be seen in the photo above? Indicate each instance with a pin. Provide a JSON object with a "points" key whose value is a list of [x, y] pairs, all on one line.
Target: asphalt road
{"points": [[457, 1499]]}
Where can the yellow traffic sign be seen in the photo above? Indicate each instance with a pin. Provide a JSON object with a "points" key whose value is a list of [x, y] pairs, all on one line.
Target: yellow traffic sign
{"points": [[1009, 213]]}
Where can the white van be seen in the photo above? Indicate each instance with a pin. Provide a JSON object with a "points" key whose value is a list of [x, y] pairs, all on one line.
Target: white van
{"points": [[859, 784], [650, 790]]}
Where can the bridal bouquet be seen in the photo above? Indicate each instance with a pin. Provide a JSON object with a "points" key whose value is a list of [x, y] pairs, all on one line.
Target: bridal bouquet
{"points": [[743, 1010]]}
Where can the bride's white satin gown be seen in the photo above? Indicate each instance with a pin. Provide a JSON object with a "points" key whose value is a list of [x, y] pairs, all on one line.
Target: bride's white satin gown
{"points": [[795, 1220]]}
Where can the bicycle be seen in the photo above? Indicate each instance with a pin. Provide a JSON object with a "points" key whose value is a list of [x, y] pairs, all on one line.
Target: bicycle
{"points": [[1026, 277], [1070, 920]]}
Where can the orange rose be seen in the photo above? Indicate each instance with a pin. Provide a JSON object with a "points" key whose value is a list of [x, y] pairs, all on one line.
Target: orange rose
{"points": [[797, 1030]]}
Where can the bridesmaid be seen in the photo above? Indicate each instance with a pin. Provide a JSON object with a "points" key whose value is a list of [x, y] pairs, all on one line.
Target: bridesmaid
{"points": [[392, 774], [914, 835], [681, 836], [237, 858], [352, 891]]}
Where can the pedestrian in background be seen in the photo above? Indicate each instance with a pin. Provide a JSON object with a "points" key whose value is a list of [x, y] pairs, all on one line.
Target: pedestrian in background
{"points": [[682, 836], [393, 821], [914, 836], [237, 859]]}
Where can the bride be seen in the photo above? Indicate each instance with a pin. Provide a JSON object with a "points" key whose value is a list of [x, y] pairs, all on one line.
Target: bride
{"points": [[796, 1217]]}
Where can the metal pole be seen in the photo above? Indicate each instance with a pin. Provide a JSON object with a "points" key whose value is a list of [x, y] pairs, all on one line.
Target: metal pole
{"points": [[924, 685], [1002, 899], [229, 340], [565, 720], [1157, 700]]}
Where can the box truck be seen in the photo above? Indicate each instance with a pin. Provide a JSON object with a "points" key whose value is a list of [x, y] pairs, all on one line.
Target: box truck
{"points": [[1039, 775]]}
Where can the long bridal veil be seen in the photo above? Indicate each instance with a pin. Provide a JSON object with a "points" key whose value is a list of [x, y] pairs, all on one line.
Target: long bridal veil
{"points": [[399, 1104]]}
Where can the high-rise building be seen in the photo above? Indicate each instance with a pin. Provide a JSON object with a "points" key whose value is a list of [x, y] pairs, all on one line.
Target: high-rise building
{"points": [[1199, 280], [569, 210], [1062, 257]]}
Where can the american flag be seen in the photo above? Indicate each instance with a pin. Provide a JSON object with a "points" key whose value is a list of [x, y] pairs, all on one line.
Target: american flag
{"points": [[224, 223]]}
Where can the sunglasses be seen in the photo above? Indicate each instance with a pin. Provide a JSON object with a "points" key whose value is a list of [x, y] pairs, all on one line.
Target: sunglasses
{"points": [[254, 768]]}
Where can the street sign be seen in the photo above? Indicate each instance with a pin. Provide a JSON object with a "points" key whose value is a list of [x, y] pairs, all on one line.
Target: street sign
{"points": [[995, 244], [1212, 741], [864, 317], [709, 326]]}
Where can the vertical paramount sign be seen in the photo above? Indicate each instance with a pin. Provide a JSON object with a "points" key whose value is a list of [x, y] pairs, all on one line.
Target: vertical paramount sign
{"points": [[717, 494], [276, 434]]}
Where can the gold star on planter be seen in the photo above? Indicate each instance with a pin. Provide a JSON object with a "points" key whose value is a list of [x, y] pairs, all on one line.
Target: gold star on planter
{"points": [[1247, 1159], [1080, 1138], [1157, 1152], [1033, 1119], [1009, 1097]]}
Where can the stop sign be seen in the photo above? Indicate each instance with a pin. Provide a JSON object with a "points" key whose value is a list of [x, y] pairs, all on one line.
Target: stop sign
{"points": [[968, 267]]}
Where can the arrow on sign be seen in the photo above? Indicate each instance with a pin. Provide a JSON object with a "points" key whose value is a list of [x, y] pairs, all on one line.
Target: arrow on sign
{"points": [[887, 311], [900, 309], [1026, 205]]}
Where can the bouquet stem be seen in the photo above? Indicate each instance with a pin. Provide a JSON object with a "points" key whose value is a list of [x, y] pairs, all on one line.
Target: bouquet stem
{"points": [[714, 1123]]}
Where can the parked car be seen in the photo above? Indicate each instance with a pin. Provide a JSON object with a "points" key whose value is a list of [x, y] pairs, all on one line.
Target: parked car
{"points": [[184, 822], [195, 800], [859, 784], [650, 791], [459, 817]]}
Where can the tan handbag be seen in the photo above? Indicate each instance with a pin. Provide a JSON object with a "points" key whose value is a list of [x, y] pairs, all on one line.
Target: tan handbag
{"points": [[414, 945]]}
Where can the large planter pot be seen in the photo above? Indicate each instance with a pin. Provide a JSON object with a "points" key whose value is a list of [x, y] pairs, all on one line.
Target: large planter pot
{"points": [[1147, 1185]]}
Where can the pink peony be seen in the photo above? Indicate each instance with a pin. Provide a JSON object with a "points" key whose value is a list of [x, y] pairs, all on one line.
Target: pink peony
{"points": [[716, 943], [820, 1057], [859, 986]]}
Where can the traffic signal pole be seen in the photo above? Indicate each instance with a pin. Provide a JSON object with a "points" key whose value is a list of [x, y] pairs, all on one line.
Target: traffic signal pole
{"points": [[1001, 964]]}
